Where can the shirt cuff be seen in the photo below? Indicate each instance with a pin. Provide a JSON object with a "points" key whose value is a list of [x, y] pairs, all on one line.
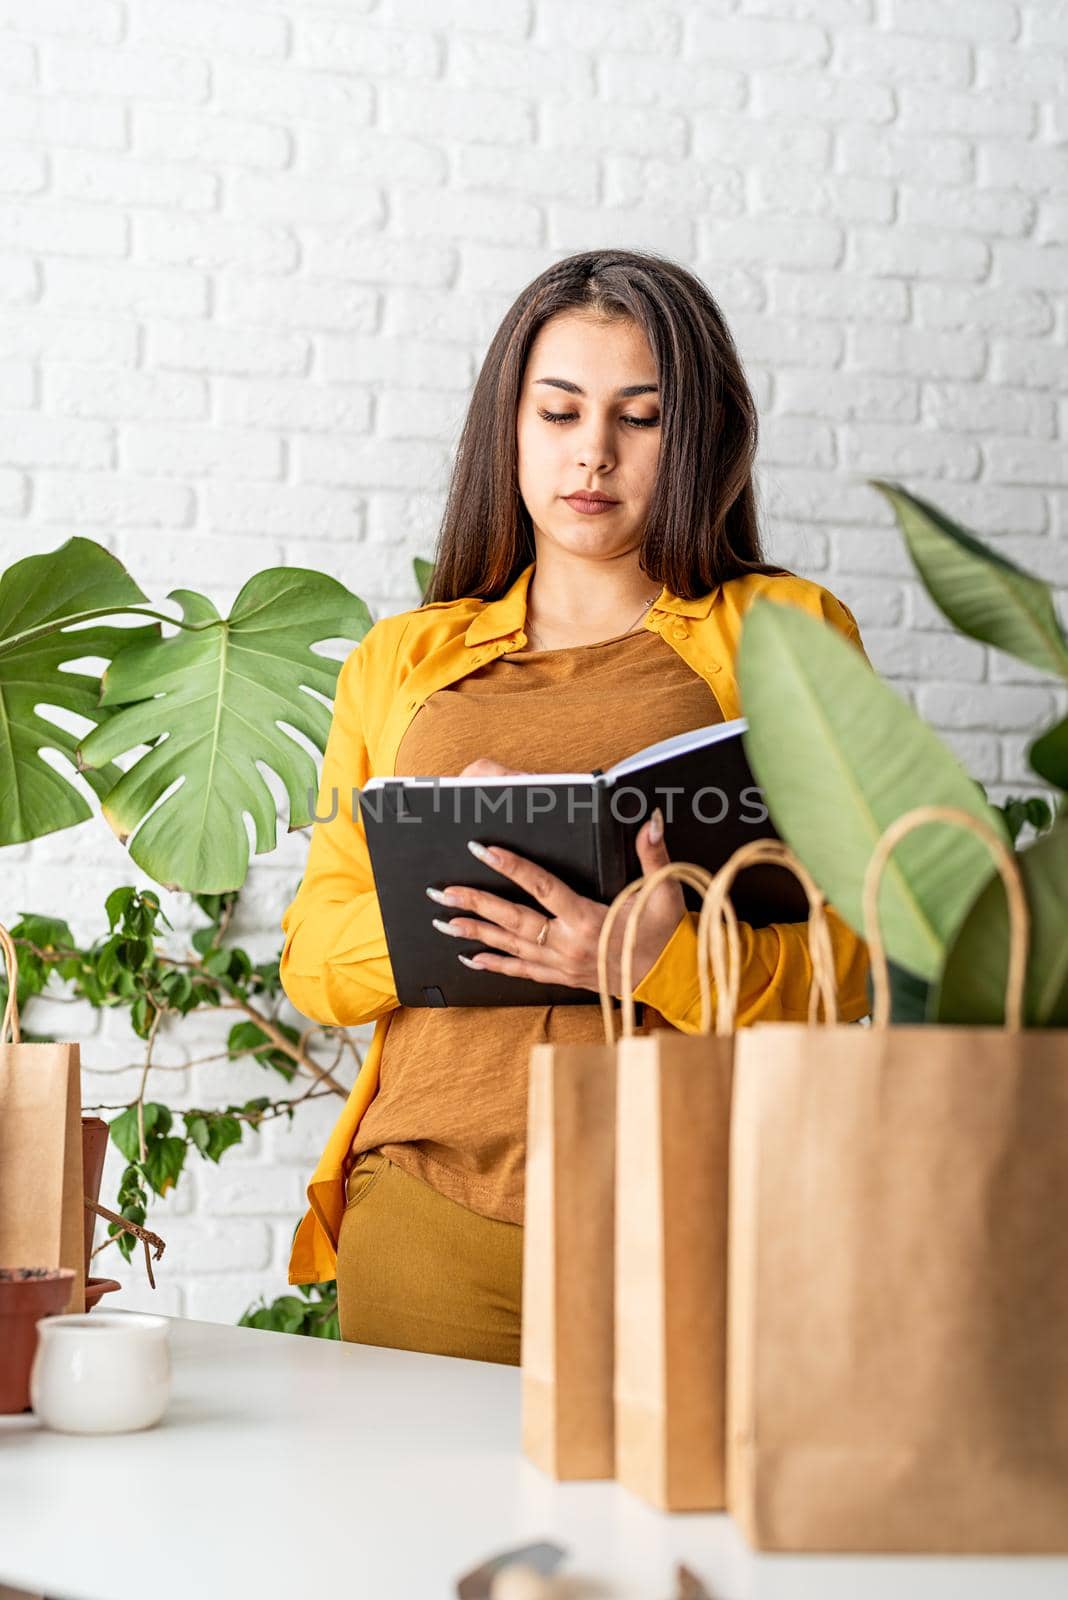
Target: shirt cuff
{"points": [[672, 985]]}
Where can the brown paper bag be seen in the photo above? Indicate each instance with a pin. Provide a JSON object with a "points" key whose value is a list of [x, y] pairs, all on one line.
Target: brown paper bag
{"points": [[672, 1143], [41, 1192], [566, 1346], [898, 1287]]}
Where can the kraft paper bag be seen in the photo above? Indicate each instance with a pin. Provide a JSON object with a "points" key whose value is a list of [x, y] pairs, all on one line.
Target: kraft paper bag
{"points": [[567, 1340], [672, 1147], [41, 1191], [898, 1323]]}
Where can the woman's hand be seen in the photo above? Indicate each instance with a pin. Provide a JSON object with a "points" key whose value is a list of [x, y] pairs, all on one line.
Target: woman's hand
{"points": [[568, 955]]}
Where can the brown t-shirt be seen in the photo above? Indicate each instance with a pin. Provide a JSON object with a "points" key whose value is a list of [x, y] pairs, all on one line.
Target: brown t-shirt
{"points": [[451, 1104]]}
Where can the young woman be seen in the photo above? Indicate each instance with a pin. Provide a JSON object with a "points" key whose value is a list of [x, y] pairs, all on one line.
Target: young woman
{"points": [[598, 552]]}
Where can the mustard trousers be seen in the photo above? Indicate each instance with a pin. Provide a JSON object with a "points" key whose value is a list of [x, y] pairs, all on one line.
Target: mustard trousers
{"points": [[418, 1271]]}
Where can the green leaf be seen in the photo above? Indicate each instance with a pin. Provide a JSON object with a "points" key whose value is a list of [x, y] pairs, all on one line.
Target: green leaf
{"points": [[981, 593], [108, 964], [123, 1128], [424, 572], [219, 699], [118, 903], [125, 984], [177, 986], [123, 1131], [41, 598], [142, 1013], [223, 1132], [35, 971], [1039, 813], [131, 1191], [315, 1315], [1048, 755], [164, 1160], [240, 968], [196, 1126], [840, 756], [48, 933], [972, 987], [1019, 810], [214, 905], [908, 996], [203, 940], [248, 1038]]}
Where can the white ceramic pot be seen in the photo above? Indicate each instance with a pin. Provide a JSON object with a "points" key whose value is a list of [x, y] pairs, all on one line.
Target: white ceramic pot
{"points": [[104, 1373]]}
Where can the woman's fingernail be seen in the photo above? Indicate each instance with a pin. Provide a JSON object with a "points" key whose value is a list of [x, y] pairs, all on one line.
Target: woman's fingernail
{"points": [[656, 826], [483, 853], [469, 963], [443, 897], [446, 927]]}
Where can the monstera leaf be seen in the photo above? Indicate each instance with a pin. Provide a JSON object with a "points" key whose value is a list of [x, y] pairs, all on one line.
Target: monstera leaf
{"points": [[840, 756], [42, 598], [984, 595], [972, 986], [213, 701]]}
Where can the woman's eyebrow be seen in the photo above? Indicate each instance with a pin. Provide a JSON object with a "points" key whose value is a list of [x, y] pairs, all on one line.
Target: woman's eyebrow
{"points": [[573, 388]]}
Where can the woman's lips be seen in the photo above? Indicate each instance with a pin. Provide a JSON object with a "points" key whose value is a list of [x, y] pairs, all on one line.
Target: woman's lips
{"points": [[588, 507]]}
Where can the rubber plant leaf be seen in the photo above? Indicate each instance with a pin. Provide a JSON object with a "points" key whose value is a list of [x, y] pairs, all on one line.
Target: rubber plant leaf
{"points": [[982, 593], [972, 985], [840, 756], [49, 606], [222, 698]]}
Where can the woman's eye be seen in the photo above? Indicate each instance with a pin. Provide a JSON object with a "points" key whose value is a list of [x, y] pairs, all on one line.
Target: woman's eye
{"points": [[569, 416]]}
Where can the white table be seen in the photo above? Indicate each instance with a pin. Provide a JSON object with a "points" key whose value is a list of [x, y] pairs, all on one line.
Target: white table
{"points": [[288, 1466]]}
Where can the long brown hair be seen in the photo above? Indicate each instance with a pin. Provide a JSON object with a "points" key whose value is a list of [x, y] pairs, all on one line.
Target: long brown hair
{"points": [[702, 526]]}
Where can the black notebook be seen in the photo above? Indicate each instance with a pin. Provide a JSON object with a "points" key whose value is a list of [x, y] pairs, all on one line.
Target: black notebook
{"points": [[582, 827]]}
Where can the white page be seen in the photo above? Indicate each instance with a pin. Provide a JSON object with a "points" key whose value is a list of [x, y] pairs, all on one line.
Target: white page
{"points": [[680, 744]]}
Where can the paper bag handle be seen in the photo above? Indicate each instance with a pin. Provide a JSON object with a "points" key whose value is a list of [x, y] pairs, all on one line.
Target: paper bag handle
{"points": [[11, 1010], [1019, 915], [698, 878], [710, 932]]}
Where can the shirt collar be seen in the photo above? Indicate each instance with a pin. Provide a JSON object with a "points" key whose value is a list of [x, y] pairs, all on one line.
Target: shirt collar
{"points": [[508, 613]]}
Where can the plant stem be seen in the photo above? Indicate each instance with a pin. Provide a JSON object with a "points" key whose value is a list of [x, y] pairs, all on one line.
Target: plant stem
{"points": [[140, 1101]]}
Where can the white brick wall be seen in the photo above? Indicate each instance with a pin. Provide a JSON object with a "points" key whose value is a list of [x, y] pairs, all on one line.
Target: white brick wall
{"points": [[251, 255]]}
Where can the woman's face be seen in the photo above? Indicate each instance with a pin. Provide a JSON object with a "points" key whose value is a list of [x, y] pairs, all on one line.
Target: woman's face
{"points": [[603, 440]]}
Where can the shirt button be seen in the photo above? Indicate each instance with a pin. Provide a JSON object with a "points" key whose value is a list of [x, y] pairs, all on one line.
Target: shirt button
{"points": [[679, 631]]}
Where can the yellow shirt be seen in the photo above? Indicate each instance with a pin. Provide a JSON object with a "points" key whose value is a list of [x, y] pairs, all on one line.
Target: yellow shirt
{"points": [[335, 966]]}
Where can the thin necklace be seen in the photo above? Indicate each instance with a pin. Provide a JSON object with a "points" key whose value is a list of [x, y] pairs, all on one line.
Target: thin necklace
{"points": [[534, 633]]}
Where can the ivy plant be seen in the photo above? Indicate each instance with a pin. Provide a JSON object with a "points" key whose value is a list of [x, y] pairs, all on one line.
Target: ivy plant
{"points": [[128, 967]]}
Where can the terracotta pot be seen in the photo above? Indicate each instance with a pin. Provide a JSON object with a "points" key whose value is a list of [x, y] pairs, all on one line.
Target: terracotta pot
{"points": [[94, 1149], [94, 1289], [26, 1293]]}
